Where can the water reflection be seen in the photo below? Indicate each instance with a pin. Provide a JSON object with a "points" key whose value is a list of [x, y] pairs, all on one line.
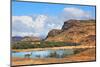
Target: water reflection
{"points": [[44, 54]]}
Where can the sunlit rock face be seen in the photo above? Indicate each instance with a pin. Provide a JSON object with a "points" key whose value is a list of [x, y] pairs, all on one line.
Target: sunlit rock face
{"points": [[54, 32], [68, 24], [74, 31]]}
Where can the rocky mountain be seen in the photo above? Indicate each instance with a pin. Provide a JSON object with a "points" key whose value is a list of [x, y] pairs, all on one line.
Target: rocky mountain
{"points": [[54, 32], [74, 31], [17, 38], [28, 39], [70, 23], [89, 40]]}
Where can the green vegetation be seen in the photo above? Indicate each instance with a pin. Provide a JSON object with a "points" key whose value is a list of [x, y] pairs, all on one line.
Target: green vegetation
{"points": [[43, 44], [22, 45]]}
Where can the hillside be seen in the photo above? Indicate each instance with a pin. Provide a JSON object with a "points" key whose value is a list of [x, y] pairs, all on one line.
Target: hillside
{"points": [[17, 38], [77, 31], [30, 39]]}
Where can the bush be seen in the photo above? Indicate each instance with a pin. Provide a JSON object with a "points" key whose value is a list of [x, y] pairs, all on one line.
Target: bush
{"points": [[22, 45], [43, 44]]}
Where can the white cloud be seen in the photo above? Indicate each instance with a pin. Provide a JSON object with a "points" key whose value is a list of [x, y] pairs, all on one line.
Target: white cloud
{"points": [[76, 13], [27, 20], [39, 22], [25, 25], [25, 34], [33, 26]]}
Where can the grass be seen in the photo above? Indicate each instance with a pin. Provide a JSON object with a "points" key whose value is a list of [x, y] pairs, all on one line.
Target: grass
{"points": [[43, 44]]}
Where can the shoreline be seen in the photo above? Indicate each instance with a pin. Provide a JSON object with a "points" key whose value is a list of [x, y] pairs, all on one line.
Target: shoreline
{"points": [[52, 48]]}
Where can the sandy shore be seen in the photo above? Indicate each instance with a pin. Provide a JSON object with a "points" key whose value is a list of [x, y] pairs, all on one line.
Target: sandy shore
{"points": [[52, 48], [88, 55]]}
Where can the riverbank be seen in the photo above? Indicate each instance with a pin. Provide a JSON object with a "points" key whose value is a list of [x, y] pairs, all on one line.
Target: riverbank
{"points": [[52, 48], [88, 55]]}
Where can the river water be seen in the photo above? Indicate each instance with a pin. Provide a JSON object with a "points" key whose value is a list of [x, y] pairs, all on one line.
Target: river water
{"points": [[45, 53]]}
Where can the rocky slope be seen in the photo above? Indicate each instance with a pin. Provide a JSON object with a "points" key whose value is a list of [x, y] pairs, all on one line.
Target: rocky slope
{"points": [[74, 31], [27, 38], [54, 32]]}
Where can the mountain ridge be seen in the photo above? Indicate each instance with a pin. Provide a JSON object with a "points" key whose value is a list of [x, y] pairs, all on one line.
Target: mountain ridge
{"points": [[74, 31]]}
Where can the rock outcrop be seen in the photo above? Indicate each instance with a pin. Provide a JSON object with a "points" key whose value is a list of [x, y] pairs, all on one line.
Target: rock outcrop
{"points": [[54, 32], [73, 31], [70, 23], [89, 40]]}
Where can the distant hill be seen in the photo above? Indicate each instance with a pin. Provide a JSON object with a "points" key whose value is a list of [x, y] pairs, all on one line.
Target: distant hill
{"points": [[17, 38], [28, 38], [74, 31]]}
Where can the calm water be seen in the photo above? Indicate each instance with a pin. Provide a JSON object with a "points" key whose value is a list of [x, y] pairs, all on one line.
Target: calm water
{"points": [[45, 53]]}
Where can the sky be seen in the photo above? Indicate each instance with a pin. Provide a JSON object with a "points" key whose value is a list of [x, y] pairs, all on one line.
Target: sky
{"points": [[37, 19]]}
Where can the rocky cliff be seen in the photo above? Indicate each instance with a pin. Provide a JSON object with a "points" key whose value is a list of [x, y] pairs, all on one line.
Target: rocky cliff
{"points": [[74, 31], [54, 32], [70, 23]]}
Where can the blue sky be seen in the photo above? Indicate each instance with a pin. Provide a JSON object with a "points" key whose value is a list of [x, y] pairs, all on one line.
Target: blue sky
{"points": [[37, 19], [29, 8]]}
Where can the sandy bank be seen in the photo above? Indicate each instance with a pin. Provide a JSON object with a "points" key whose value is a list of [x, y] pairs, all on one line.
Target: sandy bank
{"points": [[52, 48]]}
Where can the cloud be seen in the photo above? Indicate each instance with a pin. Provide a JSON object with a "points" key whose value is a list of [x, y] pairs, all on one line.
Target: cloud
{"points": [[27, 20], [75, 13], [37, 25], [25, 25], [25, 34], [40, 22]]}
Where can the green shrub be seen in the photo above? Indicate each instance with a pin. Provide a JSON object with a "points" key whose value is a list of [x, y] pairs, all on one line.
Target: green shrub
{"points": [[43, 44]]}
